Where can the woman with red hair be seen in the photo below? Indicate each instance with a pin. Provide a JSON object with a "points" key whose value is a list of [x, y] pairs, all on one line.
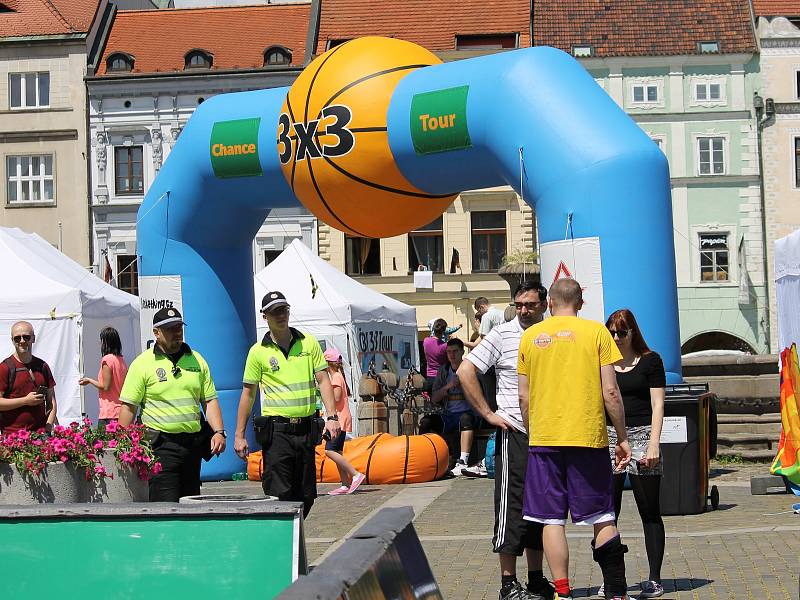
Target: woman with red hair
{"points": [[641, 380]]}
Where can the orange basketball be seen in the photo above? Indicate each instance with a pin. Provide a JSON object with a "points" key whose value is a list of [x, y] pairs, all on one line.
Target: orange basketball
{"points": [[333, 142]]}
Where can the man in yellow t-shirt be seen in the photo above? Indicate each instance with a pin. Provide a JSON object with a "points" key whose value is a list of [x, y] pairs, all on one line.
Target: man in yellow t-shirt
{"points": [[567, 384]]}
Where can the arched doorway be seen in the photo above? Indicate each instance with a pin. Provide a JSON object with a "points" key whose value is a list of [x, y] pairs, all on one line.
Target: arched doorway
{"points": [[716, 340]]}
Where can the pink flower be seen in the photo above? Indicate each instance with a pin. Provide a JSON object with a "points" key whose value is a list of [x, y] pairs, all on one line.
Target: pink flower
{"points": [[97, 445], [112, 427], [112, 443]]}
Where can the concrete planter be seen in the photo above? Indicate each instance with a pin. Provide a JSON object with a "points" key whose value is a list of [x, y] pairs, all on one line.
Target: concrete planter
{"points": [[125, 486], [59, 483]]}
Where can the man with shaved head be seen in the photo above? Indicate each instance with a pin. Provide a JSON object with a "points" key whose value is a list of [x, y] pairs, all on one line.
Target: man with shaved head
{"points": [[567, 384], [27, 387]]}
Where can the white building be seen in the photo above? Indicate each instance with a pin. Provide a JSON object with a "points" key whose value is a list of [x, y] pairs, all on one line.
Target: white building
{"points": [[145, 90]]}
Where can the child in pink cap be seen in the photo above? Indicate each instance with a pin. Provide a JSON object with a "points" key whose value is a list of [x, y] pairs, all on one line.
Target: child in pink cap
{"points": [[351, 478]]}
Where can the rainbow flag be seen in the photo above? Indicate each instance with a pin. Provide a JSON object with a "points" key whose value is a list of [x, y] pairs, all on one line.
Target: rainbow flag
{"points": [[787, 461]]}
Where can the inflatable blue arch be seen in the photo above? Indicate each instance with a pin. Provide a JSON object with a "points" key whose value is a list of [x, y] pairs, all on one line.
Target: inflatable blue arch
{"points": [[243, 154]]}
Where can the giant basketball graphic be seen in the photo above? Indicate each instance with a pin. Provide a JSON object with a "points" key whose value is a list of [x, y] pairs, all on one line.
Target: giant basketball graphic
{"points": [[333, 142]]}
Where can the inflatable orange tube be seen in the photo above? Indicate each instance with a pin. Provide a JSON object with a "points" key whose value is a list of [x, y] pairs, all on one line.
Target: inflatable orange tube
{"points": [[383, 457]]}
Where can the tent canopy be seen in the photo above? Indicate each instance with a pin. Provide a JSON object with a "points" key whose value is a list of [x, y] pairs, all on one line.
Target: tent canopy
{"points": [[364, 325], [67, 306], [338, 299]]}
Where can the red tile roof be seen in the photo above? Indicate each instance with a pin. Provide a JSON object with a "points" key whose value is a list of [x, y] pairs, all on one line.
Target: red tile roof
{"points": [[433, 24], [776, 8], [46, 17], [235, 36], [644, 28]]}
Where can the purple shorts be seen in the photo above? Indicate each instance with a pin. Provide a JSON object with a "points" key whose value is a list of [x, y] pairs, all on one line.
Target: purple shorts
{"points": [[566, 479]]}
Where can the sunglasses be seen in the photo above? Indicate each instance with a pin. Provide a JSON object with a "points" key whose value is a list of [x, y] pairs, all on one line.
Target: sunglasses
{"points": [[277, 312], [18, 338], [620, 333]]}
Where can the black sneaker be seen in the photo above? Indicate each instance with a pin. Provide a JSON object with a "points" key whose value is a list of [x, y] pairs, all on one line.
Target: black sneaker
{"points": [[544, 590], [517, 592]]}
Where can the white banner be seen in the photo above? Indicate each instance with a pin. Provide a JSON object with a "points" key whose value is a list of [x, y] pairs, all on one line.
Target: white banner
{"points": [[580, 260], [157, 292]]}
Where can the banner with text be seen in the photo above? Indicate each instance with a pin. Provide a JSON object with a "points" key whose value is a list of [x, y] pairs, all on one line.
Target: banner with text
{"points": [[580, 260], [386, 344], [157, 292]]}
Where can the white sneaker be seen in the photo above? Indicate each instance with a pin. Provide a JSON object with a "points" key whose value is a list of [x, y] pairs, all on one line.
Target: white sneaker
{"points": [[478, 470], [458, 468]]}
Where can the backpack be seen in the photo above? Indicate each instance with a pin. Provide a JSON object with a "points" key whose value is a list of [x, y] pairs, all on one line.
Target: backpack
{"points": [[12, 373]]}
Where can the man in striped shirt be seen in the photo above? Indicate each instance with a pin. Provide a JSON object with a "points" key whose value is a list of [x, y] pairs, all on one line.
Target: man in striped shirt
{"points": [[512, 534]]}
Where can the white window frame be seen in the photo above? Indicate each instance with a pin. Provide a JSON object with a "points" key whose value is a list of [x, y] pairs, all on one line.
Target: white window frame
{"points": [[732, 234], [645, 83], [22, 92], [660, 140], [725, 151], [707, 82], [20, 180]]}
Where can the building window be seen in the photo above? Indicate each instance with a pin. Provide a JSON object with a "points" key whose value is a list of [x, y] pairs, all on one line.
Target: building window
{"points": [[707, 92], [797, 84], [645, 93], [487, 42], [334, 43], [128, 170], [714, 257], [708, 47], [797, 162], [426, 247], [120, 63], [30, 179], [128, 273], [277, 56], [362, 256], [270, 255], [711, 156], [582, 51], [198, 59], [29, 90], [488, 240]]}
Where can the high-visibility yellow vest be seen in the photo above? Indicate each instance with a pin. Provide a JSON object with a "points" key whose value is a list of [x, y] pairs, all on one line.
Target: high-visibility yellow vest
{"points": [[170, 398], [287, 379]]}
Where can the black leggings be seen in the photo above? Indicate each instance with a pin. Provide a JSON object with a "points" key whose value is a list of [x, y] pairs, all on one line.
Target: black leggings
{"points": [[646, 489]]}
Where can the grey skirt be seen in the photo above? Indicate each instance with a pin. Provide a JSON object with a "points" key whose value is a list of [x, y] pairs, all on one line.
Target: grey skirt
{"points": [[638, 438]]}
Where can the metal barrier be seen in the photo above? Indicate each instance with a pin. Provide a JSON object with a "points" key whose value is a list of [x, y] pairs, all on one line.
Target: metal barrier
{"points": [[384, 559]]}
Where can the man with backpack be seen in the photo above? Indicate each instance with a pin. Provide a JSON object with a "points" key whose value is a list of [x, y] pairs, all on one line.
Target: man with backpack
{"points": [[27, 387]]}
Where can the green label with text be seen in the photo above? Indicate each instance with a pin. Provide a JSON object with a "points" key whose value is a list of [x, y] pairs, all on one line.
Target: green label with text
{"points": [[234, 148], [439, 121]]}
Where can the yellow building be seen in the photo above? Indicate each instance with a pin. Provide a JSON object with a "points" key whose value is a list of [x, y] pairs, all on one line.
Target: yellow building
{"points": [[463, 249]]}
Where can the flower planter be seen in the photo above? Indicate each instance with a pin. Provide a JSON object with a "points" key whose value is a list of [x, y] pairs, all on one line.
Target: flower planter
{"points": [[124, 486], [58, 483]]}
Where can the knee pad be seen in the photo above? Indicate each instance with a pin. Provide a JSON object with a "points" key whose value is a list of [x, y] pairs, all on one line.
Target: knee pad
{"points": [[467, 421], [612, 550], [611, 558]]}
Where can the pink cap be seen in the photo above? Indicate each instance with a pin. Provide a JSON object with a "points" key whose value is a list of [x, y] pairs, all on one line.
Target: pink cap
{"points": [[332, 355]]}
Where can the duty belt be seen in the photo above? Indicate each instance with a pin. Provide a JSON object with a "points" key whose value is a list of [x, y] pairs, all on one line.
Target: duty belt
{"points": [[292, 425]]}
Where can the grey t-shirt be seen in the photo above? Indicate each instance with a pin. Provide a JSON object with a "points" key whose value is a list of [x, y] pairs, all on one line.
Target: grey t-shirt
{"points": [[491, 318]]}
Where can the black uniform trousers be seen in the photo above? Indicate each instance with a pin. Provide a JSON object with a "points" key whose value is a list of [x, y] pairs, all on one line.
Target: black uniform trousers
{"points": [[290, 469], [180, 455]]}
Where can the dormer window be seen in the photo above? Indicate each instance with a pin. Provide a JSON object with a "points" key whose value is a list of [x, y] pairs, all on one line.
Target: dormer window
{"points": [[502, 41], [277, 55], [120, 63], [708, 47], [581, 51], [198, 59]]}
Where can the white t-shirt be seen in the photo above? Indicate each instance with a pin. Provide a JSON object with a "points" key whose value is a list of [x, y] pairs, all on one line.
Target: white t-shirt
{"points": [[499, 349], [491, 319]]}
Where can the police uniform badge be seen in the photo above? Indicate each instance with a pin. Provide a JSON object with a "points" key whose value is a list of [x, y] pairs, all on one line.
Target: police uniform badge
{"points": [[161, 374], [273, 362]]}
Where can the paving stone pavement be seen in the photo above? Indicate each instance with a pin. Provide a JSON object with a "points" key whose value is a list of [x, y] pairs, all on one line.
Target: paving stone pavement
{"points": [[747, 549]]}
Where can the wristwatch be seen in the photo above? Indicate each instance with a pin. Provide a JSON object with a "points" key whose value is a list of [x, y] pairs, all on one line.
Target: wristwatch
{"points": [[221, 432], [333, 418]]}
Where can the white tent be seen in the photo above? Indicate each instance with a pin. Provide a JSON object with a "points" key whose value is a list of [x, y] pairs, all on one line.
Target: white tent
{"points": [[360, 322], [67, 306]]}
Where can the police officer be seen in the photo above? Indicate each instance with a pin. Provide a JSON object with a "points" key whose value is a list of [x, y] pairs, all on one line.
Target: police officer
{"points": [[169, 382], [289, 365]]}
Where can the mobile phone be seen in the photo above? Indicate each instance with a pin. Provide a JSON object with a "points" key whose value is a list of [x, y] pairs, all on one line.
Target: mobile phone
{"points": [[42, 390]]}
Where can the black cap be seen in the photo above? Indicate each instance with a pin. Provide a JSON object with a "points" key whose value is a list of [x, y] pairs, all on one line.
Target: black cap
{"points": [[272, 301], [166, 317]]}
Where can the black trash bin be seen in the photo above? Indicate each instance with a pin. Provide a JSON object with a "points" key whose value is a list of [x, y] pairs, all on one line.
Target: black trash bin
{"points": [[684, 484]]}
